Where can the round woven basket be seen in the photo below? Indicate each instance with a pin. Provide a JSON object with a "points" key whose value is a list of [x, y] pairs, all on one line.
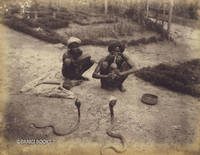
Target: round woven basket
{"points": [[149, 99]]}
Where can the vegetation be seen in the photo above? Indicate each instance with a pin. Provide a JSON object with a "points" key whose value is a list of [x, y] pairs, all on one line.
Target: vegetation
{"points": [[187, 10], [33, 29], [183, 78], [120, 28], [117, 23]]}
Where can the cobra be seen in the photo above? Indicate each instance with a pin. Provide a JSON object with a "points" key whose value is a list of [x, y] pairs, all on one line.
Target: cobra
{"points": [[78, 105], [109, 132]]}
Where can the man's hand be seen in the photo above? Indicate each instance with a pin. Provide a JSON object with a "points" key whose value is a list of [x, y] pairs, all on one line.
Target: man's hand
{"points": [[118, 73], [112, 75], [67, 61]]}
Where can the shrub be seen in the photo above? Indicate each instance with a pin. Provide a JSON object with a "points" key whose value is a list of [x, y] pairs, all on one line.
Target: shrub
{"points": [[181, 78], [64, 16], [44, 33], [186, 10], [192, 11], [52, 23], [31, 22]]}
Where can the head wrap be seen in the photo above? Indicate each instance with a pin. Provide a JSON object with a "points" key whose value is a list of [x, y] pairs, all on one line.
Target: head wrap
{"points": [[72, 40]]}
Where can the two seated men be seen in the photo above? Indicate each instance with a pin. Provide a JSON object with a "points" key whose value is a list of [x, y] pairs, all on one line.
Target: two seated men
{"points": [[111, 70]]}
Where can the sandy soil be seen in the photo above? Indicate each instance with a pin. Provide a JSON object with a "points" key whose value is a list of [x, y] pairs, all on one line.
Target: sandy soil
{"points": [[172, 121]]}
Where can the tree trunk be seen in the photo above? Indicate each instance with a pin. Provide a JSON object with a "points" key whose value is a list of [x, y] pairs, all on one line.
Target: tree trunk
{"points": [[170, 17], [163, 21], [147, 8], [106, 7]]}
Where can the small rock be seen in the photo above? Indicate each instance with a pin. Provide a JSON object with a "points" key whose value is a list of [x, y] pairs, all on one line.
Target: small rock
{"points": [[176, 127], [31, 126]]}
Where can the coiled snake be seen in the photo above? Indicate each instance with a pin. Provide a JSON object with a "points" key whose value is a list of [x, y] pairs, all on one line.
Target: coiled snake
{"points": [[109, 132], [77, 104]]}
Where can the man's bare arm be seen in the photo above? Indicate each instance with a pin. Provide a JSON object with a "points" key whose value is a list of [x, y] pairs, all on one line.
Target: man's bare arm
{"points": [[131, 65]]}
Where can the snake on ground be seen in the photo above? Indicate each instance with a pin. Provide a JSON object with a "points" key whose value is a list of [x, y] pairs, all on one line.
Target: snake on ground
{"points": [[77, 104]]}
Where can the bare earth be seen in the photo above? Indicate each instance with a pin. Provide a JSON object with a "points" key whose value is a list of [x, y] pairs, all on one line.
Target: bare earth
{"points": [[172, 121]]}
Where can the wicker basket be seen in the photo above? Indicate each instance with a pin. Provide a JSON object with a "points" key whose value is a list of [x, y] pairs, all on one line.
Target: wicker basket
{"points": [[149, 99]]}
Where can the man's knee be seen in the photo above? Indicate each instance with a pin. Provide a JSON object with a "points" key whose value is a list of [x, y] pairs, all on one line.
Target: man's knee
{"points": [[67, 62], [122, 79], [92, 61]]}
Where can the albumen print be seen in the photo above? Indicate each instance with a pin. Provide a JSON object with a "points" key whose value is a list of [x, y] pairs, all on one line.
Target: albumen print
{"points": [[99, 77]]}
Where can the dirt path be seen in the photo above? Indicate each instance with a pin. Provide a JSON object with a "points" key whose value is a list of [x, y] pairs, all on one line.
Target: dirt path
{"points": [[172, 121]]}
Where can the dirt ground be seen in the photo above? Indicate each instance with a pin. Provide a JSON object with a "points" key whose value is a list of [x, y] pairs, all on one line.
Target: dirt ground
{"points": [[172, 121]]}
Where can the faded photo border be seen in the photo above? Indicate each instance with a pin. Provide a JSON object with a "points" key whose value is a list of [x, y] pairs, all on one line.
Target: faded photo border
{"points": [[76, 147]]}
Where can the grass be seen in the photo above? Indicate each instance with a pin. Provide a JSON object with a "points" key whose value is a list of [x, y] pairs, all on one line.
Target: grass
{"points": [[121, 28], [90, 35], [183, 78]]}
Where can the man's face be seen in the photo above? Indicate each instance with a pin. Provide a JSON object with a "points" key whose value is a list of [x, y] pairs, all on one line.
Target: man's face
{"points": [[76, 52], [115, 51], [74, 45]]}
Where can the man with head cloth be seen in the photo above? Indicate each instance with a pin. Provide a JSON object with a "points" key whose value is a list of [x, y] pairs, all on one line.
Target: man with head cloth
{"points": [[114, 68], [75, 63]]}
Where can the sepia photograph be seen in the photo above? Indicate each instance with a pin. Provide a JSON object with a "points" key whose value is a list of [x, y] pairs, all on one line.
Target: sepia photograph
{"points": [[99, 77]]}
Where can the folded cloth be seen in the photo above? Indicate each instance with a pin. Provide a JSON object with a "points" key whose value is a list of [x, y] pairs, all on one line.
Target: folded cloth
{"points": [[49, 85]]}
